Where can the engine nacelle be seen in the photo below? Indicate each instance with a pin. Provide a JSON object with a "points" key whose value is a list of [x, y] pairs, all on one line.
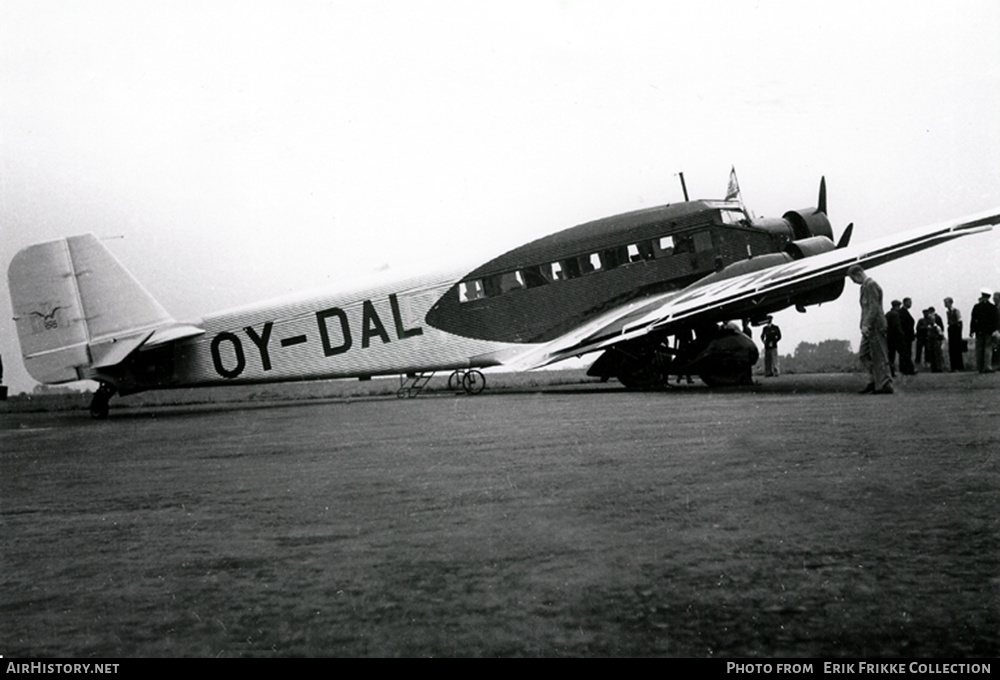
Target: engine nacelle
{"points": [[798, 225], [807, 247], [808, 222], [827, 293]]}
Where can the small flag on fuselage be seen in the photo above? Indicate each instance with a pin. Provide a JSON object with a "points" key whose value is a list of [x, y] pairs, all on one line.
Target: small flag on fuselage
{"points": [[733, 190]]}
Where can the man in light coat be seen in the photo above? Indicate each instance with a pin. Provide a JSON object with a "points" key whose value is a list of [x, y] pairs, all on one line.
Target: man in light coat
{"points": [[874, 351]]}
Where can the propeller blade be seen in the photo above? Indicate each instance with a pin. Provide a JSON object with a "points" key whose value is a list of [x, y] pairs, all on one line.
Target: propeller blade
{"points": [[822, 196], [845, 238]]}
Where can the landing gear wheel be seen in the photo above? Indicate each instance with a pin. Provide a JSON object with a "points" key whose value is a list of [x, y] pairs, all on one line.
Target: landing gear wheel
{"points": [[639, 380], [99, 404], [736, 379], [473, 382]]}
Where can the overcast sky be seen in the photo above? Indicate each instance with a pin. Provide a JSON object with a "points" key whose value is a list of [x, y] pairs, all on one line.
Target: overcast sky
{"points": [[233, 151]]}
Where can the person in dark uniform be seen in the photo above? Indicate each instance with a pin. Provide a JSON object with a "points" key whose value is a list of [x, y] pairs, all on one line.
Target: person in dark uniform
{"points": [[771, 335], [906, 366], [935, 336], [996, 334], [895, 336], [874, 351], [982, 325], [683, 342], [922, 356], [956, 343]]}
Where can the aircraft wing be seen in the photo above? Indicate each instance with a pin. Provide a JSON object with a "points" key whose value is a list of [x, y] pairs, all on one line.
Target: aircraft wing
{"points": [[715, 299]]}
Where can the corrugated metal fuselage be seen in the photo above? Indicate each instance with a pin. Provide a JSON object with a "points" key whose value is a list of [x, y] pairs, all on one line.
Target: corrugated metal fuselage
{"points": [[531, 294]]}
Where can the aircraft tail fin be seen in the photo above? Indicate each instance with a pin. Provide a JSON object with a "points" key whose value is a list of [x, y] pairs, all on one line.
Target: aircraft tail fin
{"points": [[77, 308]]}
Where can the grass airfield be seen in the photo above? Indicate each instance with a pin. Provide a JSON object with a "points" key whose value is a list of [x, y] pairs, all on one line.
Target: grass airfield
{"points": [[549, 516]]}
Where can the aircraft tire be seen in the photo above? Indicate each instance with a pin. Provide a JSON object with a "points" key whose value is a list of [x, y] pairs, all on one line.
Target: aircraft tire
{"points": [[99, 403], [640, 380], [726, 379], [99, 408]]}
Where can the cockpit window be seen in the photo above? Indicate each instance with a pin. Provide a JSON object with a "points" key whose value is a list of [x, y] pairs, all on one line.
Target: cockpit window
{"points": [[732, 216]]}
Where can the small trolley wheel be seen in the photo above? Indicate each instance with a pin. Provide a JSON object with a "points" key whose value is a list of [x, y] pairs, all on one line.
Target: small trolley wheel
{"points": [[455, 379], [473, 382]]}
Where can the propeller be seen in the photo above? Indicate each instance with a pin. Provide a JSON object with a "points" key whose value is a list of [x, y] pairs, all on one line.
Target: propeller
{"points": [[845, 238]]}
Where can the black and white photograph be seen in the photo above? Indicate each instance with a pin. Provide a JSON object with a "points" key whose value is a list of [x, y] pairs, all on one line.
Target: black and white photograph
{"points": [[465, 328]]}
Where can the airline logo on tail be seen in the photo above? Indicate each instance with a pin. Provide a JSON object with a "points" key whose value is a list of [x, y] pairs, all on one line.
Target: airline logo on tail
{"points": [[45, 321]]}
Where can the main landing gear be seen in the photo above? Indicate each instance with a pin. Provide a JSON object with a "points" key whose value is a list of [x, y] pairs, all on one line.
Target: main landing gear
{"points": [[470, 380], [99, 404]]}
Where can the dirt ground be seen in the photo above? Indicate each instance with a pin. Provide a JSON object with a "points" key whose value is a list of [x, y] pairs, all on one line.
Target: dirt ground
{"points": [[793, 519]]}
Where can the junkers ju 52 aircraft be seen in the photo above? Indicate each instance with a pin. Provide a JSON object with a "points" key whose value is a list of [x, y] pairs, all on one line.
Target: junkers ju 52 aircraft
{"points": [[628, 286]]}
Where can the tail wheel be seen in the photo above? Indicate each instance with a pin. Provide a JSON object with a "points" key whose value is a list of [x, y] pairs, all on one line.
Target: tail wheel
{"points": [[473, 382], [99, 404]]}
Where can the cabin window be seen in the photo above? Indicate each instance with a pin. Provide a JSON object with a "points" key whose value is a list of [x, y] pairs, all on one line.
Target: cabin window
{"points": [[590, 263], [666, 244], [610, 258], [534, 276], [470, 290], [570, 268], [491, 286], [645, 249], [702, 241], [511, 281]]}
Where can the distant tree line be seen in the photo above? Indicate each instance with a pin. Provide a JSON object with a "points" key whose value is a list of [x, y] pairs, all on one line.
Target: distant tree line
{"points": [[827, 356]]}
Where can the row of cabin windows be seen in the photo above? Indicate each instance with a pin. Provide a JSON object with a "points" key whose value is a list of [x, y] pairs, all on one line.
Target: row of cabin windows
{"points": [[575, 267]]}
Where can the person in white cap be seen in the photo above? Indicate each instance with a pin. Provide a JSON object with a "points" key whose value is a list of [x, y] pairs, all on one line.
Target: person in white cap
{"points": [[983, 323], [874, 350]]}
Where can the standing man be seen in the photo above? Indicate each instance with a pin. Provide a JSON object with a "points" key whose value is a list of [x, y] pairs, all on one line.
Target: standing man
{"points": [[935, 336], [982, 324], [895, 336], [956, 344], [874, 351], [905, 355], [922, 356], [771, 335], [996, 334]]}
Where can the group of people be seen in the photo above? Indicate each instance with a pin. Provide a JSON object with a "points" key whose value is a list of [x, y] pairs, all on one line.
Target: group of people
{"points": [[985, 327], [929, 332], [886, 336]]}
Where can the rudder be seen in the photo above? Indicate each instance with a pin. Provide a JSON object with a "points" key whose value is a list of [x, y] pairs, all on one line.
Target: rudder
{"points": [[76, 307]]}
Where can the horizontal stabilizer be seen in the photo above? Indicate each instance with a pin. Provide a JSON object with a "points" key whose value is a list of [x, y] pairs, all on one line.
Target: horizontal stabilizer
{"points": [[113, 352], [162, 336]]}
